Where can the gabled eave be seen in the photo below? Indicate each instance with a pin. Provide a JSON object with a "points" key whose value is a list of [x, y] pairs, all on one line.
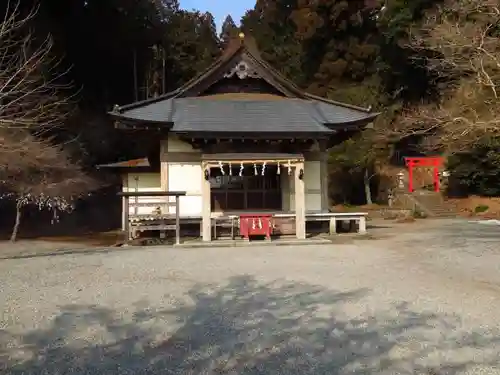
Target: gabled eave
{"points": [[353, 125], [258, 136], [239, 49]]}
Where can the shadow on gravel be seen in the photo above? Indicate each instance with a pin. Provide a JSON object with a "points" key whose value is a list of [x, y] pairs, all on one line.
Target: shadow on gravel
{"points": [[246, 327]]}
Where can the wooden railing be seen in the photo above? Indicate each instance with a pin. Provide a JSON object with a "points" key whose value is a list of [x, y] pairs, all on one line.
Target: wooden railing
{"points": [[176, 194]]}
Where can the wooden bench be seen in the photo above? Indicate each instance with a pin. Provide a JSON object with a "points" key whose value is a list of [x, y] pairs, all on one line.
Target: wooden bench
{"points": [[358, 218], [224, 221]]}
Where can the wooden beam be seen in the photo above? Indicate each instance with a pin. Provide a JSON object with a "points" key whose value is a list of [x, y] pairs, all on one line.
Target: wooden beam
{"points": [[164, 164], [324, 176], [282, 162]]}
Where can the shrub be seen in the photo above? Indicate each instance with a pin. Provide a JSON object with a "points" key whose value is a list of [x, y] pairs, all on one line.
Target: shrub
{"points": [[481, 208]]}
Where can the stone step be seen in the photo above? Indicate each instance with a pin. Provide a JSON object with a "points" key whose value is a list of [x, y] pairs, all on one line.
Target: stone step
{"points": [[435, 204]]}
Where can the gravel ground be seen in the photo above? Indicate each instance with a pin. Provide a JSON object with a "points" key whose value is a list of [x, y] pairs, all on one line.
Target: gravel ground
{"points": [[426, 302]]}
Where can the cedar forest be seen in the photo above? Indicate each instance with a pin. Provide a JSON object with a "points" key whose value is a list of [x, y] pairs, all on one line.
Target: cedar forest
{"points": [[432, 67]]}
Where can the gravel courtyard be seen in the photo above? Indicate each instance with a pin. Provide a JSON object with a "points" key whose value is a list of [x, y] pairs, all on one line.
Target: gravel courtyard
{"points": [[425, 302]]}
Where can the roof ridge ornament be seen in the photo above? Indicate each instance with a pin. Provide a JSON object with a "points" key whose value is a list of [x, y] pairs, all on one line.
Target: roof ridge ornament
{"points": [[242, 70]]}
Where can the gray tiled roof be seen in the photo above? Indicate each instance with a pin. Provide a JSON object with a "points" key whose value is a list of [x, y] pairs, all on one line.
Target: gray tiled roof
{"points": [[336, 114], [160, 111], [296, 111], [201, 114]]}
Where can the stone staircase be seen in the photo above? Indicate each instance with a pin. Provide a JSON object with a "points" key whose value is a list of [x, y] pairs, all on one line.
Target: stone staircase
{"points": [[430, 203]]}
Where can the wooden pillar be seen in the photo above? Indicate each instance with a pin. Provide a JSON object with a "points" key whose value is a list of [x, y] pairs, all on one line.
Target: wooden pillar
{"points": [[164, 178], [324, 176], [164, 164], [177, 221], [300, 202], [410, 176], [436, 176], [126, 230], [125, 206], [206, 221]]}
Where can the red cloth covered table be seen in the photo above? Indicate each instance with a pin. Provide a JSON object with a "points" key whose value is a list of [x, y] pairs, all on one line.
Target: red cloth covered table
{"points": [[256, 225]]}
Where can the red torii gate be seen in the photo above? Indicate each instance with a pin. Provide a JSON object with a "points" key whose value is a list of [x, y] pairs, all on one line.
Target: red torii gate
{"points": [[429, 161]]}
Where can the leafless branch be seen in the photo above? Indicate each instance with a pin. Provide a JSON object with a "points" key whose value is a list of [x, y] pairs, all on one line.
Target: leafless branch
{"points": [[462, 38], [32, 95], [33, 104]]}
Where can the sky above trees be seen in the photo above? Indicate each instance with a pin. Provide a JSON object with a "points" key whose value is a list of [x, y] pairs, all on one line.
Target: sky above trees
{"points": [[220, 8]]}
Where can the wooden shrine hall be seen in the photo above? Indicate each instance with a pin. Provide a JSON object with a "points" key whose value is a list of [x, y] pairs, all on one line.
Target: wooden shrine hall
{"points": [[241, 143]]}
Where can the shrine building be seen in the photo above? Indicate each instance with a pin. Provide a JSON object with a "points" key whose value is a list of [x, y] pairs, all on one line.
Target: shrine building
{"points": [[238, 138]]}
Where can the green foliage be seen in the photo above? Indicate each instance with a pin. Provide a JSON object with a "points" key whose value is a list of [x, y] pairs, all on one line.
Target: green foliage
{"points": [[191, 43], [356, 153], [339, 42], [402, 68], [270, 23], [477, 172], [481, 208]]}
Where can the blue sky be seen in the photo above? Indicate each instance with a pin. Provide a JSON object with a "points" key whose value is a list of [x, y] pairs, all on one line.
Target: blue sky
{"points": [[220, 8]]}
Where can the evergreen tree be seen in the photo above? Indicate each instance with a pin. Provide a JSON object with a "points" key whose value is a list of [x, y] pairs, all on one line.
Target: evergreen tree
{"points": [[477, 171], [228, 31], [271, 25], [208, 41], [339, 40]]}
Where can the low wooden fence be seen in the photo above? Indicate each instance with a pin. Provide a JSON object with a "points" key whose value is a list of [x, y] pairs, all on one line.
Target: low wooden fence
{"points": [[176, 194]]}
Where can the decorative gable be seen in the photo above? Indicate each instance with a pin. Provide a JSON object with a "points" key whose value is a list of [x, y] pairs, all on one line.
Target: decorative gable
{"points": [[242, 70]]}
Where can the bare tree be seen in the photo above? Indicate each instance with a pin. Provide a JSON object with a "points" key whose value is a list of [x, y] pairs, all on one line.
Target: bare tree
{"points": [[34, 170], [43, 175], [462, 40]]}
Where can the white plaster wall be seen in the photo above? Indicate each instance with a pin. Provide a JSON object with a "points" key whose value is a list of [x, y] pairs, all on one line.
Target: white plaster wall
{"points": [[176, 145], [142, 182], [186, 177], [182, 177], [312, 182]]}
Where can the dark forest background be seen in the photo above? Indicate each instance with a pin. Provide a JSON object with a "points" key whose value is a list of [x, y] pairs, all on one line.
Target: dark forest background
{"points": [[436, 87]]}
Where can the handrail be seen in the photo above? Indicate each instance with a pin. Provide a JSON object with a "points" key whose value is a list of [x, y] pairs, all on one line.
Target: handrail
{"points": [[151, 193]]}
